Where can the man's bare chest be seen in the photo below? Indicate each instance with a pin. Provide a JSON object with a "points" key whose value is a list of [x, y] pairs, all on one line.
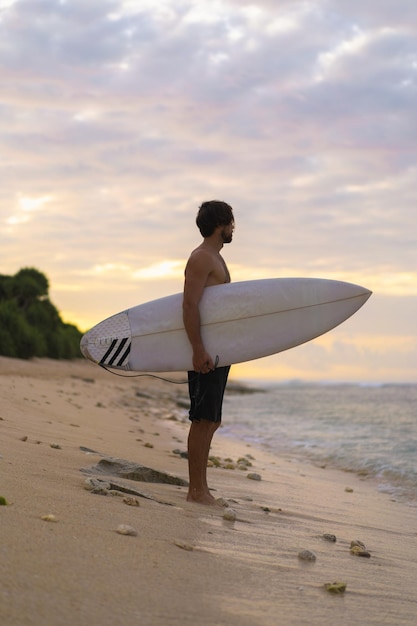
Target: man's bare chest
{"points": [[220, 273]]}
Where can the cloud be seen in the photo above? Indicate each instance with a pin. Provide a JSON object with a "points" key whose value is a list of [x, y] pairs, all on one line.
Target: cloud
{"points": [[126, 116]]}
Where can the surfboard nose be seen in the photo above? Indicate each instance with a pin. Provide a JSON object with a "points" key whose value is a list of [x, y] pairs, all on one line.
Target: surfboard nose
{"points": [[362, 292], [342, 290]]}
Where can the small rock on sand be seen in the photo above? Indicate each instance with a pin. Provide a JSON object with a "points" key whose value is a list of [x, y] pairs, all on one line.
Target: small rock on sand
{"points": [[124, 529], [184, 546], [96, 486], [307, 555], [335, 587], [131, 501], [49, 518], [358, 548], [254, 476], [357, 551], [229, 514], [222, 502]]}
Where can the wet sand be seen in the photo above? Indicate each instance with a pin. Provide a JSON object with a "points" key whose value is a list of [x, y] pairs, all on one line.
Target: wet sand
{"points": [[186, 565]]}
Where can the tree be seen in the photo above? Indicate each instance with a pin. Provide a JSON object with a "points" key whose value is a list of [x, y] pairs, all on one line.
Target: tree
{"points": [[30, 325], [29, 285]]}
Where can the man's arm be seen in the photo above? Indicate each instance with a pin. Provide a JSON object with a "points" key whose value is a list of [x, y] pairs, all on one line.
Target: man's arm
{"points": [[196, 275]]}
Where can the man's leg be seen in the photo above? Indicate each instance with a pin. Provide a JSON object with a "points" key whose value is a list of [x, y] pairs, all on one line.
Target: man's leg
{"points": [[199, 441], [206, 396]]}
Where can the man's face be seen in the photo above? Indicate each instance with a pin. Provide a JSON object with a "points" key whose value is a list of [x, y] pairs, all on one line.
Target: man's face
{"points": [[227, 232]]}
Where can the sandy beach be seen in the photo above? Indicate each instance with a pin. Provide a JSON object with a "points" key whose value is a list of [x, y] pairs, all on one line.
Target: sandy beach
{"points": [[62, 561]]}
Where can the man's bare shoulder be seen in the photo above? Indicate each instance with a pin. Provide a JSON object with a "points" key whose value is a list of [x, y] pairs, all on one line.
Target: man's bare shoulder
{"points": [[201, 256], [207, 266]]}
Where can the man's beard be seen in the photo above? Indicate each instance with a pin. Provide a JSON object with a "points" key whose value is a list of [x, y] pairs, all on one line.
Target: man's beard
{"points": [[226, 237]]}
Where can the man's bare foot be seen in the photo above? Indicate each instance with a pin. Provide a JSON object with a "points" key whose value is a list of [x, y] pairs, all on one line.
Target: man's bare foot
{"points": [[204, 497]]}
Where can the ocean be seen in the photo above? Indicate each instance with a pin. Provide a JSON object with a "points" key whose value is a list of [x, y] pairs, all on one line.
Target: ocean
{"points": [[367, 429]]}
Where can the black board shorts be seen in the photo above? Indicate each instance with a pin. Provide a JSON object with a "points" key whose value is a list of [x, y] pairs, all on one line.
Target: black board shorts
{"points": [[206, 394]]}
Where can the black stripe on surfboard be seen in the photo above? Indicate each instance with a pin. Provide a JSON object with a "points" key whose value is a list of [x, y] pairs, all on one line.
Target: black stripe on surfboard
{"points": [[125, 355], [118, 351], [109, 351]]}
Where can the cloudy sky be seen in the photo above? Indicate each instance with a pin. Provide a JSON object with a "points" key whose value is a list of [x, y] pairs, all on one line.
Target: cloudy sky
{"points": [[119, 117]]}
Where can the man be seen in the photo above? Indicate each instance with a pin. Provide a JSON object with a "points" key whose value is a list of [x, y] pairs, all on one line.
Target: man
{"points": [[205, 268]]}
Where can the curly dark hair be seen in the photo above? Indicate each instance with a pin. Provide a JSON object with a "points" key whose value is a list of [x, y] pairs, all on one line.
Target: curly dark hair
{"points": [[211, 214]]}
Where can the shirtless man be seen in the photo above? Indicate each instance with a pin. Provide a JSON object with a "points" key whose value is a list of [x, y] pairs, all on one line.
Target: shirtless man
{"points": [[204, 268]]}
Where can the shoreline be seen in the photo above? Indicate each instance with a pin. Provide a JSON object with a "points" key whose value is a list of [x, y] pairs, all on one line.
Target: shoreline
{"points": [[393, 475], [186, 565]]}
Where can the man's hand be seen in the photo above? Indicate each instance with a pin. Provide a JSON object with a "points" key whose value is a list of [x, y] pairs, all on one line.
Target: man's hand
{"points": [[202, 362]]}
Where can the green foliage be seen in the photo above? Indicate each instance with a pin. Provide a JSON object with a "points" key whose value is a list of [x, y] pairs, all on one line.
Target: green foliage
{"points": [[30, 325]]}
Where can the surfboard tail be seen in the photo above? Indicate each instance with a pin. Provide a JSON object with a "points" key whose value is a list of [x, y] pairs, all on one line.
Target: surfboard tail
{"points": [[109, 343]]}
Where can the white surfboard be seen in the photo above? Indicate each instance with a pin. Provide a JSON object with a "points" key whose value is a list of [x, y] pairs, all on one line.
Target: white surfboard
{"points": [[240, 322]]}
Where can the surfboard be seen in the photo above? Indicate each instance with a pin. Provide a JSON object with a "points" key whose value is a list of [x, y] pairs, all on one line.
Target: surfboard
{"points": [[240, 322]]}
